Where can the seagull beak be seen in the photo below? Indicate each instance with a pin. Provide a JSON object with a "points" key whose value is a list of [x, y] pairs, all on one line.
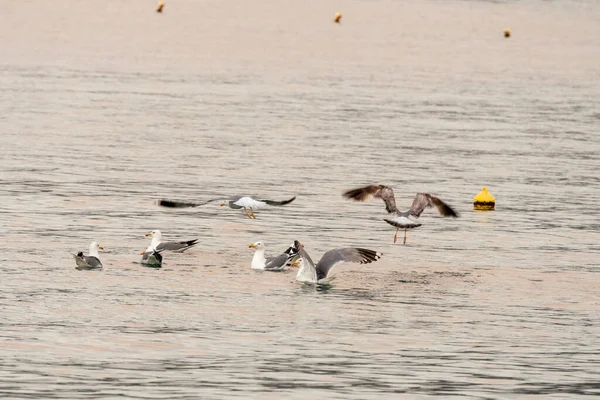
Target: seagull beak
{"points": [[251, 246], [101, 248], [222, 204], [295, 264], [148, 234], [143, 251]]}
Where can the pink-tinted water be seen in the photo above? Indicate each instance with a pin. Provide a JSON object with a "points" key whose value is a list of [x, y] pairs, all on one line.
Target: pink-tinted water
{"points": [[108, 106]]}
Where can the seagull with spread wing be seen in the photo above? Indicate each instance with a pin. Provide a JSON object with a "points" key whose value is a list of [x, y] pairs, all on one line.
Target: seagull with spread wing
{"points": [[246, 203], [320, 273], [401, 220]]}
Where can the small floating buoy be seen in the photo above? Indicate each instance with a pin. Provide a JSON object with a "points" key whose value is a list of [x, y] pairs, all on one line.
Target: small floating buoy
{"points": [[506, 33], [160, 6], [484, 200], [338, 17]]}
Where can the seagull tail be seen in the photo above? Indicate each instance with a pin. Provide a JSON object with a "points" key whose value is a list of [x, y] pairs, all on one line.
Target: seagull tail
{"points": [[191, 243], [402, 225]]}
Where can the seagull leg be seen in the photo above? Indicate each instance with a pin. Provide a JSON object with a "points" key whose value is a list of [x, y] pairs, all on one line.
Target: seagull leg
{"points": [[252, 213], [246, 212], [404, 236], [396, 235]]}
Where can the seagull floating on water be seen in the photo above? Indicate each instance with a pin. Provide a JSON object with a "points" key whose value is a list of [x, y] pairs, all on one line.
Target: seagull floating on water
{"points": [[401, 220], [246, 203], [152, 258], [89, 262], [277, 263], [177, 247], [308, 272]]}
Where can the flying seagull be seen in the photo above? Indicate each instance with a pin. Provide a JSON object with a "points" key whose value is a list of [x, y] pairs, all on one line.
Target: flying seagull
{"points": [[178, 247], [89, 262], [277, 263], [246, 203], [308, 272], [401, 220]]}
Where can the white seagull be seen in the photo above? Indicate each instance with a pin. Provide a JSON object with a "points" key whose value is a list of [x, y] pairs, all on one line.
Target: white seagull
{"points": [[177, 247], [91, 261], [278, 263], [401, 220], [246, 203]]}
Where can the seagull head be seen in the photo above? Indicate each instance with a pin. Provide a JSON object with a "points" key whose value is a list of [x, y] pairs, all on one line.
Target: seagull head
{"points": [[257, 246], [298, 263], [155, 234], [94, 245]]}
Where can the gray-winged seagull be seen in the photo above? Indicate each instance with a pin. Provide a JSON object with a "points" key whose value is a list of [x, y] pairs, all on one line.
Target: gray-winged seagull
{"points": [[92, 261], [401, 220], [308, 272], [278, 263]]}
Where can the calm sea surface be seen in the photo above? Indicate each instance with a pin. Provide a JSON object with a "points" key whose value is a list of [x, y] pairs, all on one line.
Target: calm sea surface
{"points": [[107, 106]]}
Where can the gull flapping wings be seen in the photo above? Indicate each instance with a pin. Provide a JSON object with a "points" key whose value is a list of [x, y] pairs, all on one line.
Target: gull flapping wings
{"points": [[309, 272], [349, 254], [230, 201], [401, 220]]}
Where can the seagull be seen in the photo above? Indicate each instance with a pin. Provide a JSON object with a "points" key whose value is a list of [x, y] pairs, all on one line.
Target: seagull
{"points": [[152, 258], [246, 203], [272, 263], [89, 262], [321, 273], [177, 247], [401, 220]]}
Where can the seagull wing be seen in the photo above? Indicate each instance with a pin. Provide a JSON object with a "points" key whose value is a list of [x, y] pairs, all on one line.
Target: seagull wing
{"points": [[152, 257], [425, 200], [348, 254], [182, 204], [278, 203], [382, 192], [299, 250], [278, 263], [176, 246], [93, 262]]}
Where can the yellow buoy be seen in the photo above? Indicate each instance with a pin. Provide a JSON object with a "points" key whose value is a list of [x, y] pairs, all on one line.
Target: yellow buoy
{"points": [[507, 33], [338, 17], [160, 6], [484, 200]]}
